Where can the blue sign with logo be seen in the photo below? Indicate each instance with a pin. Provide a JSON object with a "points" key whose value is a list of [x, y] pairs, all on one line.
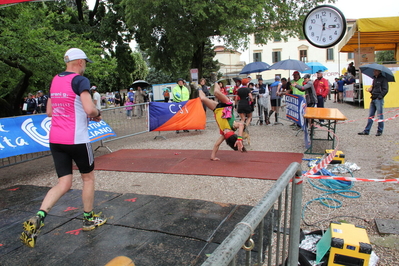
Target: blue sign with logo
{"points": [[296, 108], [28, 134]]}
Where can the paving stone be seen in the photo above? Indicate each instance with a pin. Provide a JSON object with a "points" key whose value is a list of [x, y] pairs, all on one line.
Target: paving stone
{"points": [[387, 226]]}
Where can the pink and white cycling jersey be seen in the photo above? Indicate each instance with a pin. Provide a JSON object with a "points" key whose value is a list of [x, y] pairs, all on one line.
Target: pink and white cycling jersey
{"points": [[69, 121]]}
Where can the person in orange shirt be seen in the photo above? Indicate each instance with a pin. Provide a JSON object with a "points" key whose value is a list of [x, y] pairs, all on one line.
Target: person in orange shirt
{"points": [[322, 88]]}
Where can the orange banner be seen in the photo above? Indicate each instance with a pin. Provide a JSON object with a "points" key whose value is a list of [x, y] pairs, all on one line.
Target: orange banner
{"points": [[176, 116]]}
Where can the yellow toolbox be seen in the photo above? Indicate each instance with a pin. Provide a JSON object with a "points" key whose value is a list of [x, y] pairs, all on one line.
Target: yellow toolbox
{"points": [[339, 157], [349, 245]]}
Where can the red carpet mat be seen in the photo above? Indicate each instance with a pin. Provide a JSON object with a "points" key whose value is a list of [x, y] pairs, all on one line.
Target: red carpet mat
{"points": [[253, 164]]}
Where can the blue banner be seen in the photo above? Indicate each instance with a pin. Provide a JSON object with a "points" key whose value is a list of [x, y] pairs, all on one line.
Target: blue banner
{"points": [[30, 133], [99, 130], [296, 108]]}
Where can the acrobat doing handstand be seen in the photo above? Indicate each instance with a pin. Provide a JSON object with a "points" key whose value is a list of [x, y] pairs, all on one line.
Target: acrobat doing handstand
{"points": [[225, 119]]}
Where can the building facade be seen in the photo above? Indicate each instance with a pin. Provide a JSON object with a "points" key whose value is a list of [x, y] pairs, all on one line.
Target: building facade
{"points": [[229, 61]]}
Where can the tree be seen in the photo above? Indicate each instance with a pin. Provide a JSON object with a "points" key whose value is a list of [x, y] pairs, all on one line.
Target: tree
{"points": [[209, 65], [33, 49], [159, 77], [386, 57], [174, 33], [140, 67], [35, 36]]}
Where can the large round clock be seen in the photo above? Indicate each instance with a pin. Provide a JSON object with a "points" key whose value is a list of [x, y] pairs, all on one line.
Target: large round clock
{"points": [[324, 26]]}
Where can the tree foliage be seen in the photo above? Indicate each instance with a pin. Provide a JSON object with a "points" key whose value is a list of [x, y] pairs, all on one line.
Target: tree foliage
{"points": [[174, 33], [141, 69], [158, 76], [386, 57], [31, 51], [35, 36]]}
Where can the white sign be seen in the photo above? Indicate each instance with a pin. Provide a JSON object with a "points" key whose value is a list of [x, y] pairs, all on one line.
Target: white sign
{"points": [[349, 93], [194, 74]]}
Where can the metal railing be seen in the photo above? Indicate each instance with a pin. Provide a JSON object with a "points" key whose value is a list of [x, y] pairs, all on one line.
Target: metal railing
{"points": [[123, 125], [115, 117], [126, 126], [229, 251], [13, 160]]}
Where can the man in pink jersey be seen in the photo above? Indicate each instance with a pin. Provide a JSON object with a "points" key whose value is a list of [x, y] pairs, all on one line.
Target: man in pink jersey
{"points": [[70, 107]]}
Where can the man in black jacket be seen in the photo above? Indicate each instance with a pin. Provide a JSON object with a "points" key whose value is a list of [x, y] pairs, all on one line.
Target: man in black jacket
{"points": [[31, 104], [41, 102], [378, 91]]}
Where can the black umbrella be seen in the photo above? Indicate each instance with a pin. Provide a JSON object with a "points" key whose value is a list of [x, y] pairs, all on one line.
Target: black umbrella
{"points": [[368, 70], [255, 67], [140, 83]]}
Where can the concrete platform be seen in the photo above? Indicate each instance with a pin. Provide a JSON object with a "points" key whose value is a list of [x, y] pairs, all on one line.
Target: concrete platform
{"points": [[151, 230]]}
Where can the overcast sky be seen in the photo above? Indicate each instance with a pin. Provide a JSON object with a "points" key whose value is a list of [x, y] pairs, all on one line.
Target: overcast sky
{"points": [[368, 8]]}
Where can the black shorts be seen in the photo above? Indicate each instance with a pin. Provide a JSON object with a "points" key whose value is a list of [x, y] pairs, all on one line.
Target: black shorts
{"points": [[275, 102], [222, 105], [63, 155]]}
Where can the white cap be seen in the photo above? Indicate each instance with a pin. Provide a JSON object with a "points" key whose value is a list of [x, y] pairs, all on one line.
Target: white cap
{"points": [[93, 88], [249, 77], [277, 78], [74, 54]]}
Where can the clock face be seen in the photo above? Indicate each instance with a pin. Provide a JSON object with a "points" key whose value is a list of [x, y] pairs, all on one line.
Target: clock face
{"points": [[324, 26]]}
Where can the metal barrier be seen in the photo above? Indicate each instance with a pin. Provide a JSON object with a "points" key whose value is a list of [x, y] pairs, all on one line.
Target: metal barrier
{"points": [[115, 117], [125, 126], [9, 161], [228, 252]]}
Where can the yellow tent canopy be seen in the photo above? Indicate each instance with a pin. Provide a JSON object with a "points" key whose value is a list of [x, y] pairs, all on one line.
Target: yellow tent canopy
{"points": [[380, 33]]}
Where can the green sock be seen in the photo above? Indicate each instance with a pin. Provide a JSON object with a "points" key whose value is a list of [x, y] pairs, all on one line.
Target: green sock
{"points": [[88, 215], [42, 214]]}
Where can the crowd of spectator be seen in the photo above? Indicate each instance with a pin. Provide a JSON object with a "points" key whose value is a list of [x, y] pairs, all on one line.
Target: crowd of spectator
{"points": [[247, 95], [34, 104]]}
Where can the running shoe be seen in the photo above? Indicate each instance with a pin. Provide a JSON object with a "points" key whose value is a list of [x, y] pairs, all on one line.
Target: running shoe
{"points": [[96, 221], [31, 230]]}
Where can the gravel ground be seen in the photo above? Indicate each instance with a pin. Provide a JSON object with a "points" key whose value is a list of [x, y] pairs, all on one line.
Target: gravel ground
{"points": [[377, 157]]}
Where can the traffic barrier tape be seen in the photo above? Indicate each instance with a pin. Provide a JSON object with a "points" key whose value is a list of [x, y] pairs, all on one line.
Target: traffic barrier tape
{"points": [[323, 163], [298, 180], [374, 119], [345, 178]]}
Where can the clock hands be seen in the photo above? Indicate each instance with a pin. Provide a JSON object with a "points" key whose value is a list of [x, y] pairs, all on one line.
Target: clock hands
{"points": [[324, 26]]}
